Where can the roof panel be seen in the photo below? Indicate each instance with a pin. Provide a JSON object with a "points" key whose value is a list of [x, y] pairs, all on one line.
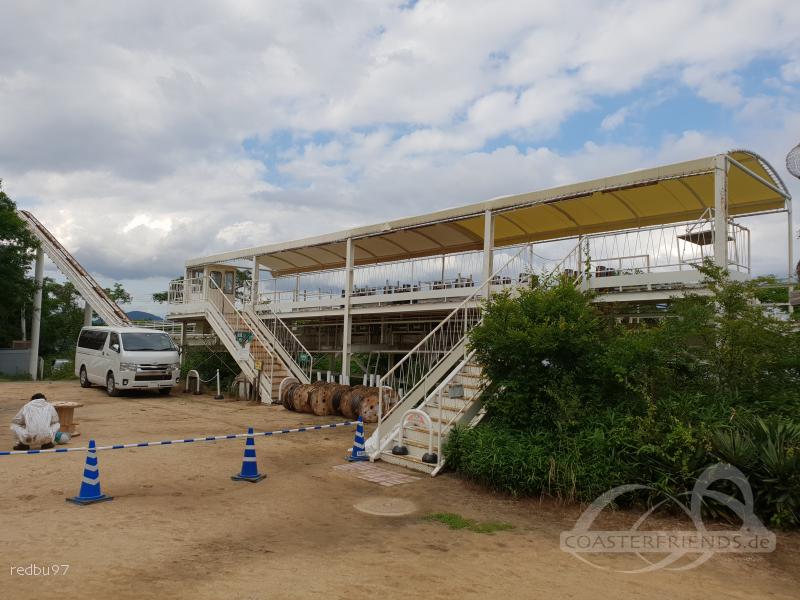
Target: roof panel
{"points": [[667, 194]]}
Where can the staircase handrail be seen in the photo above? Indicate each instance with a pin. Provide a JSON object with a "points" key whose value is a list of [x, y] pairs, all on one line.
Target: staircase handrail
{"points": [[240, 318], [484, 288], [450, 317], [438, 393], [284, 336]]}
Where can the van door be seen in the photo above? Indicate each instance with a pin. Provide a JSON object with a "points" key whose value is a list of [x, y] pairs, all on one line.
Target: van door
{"points": [[98, 362], [114, 356]]}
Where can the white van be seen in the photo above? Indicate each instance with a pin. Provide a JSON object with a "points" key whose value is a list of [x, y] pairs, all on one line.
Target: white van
{"points": [[127, 358]]}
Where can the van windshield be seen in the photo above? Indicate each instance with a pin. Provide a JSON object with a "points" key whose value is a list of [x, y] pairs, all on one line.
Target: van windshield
{"points": [[147, 342]]}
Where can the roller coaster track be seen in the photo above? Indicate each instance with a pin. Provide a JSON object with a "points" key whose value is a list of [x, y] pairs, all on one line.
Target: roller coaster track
{"points": [[87, 287]]}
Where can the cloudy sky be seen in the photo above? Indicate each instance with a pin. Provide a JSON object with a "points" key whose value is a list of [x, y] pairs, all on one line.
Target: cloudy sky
{"points": [[144, 133]]}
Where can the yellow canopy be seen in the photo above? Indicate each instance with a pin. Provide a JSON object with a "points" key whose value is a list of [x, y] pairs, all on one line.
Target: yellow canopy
{"points": [[663, 195]]}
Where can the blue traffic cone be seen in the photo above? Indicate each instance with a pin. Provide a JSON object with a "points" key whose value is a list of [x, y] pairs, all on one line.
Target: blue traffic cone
{"points": [[90, 485], [249, 465], [357, 452]]}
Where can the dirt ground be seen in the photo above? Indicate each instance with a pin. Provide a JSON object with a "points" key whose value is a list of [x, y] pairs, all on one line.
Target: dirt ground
{"points": [[179, 527]]}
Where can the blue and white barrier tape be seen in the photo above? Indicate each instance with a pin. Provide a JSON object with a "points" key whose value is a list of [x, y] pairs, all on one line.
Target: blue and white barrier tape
{"points": [[210, 438]]}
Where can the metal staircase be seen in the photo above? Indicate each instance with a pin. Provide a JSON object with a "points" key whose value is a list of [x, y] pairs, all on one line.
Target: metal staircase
{"points": [[292, 354], [265, 348], [87, 287], [417, 443], [244, 343], [438, 382]]}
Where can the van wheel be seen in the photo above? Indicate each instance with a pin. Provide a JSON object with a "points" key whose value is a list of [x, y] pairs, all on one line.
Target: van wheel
{"points": [[84, 379], [111, 385], [164, 391]]}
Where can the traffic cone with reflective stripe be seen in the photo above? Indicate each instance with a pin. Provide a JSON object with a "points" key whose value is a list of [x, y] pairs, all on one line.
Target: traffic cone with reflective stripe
{"points": [[249, 465], [90, 485], [357, 452]]}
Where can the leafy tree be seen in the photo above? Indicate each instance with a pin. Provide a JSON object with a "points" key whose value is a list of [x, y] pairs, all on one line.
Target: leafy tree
{"points": [[578, 405], [542, 352], [62, 318], [17, 247], [118, 294]]}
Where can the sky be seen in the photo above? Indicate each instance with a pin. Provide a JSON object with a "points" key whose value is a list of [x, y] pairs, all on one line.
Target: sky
{"points": [[145, 133]]}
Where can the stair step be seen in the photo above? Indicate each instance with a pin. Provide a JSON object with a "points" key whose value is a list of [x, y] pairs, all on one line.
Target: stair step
{"points": [[469, 375], [469, 386], [418, 434], [447, 413], [417, 444], [451, 404], [407, 461], [445, 419]]}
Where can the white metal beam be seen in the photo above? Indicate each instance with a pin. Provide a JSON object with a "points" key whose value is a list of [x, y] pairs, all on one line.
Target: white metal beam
{"points": [[488, 245], [721, 211], [36, 316], [348, 291]]}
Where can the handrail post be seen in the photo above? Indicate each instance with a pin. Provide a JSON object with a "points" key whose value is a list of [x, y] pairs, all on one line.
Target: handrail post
{"points": [[439, 441]]}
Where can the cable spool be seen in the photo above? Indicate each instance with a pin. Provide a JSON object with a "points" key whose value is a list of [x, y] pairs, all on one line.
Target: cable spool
{"points": [[368, 407], [301, 396], [350, 400], [321, 398], [287, 395]]}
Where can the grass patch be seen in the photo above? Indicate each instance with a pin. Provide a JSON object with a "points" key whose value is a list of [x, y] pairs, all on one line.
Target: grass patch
{"points": [[456, 521]]}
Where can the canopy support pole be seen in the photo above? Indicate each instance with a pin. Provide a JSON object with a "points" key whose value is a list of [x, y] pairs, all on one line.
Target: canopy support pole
{"points": [[488, 246], [347, 326], [36, 315], [721, 211], [254, 282], [790, 239]]}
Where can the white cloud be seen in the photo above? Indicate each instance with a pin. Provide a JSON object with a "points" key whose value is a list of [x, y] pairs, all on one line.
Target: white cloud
{"points": [[615, 119], [791, 71], [123, 124]]}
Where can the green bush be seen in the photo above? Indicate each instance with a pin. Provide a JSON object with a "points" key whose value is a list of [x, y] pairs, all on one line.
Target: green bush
{"points": [[578, 404], [768, 452], [542, 352]]}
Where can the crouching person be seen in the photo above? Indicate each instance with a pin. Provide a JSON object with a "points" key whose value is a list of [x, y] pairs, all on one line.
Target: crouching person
{"points": [[36, 424]]}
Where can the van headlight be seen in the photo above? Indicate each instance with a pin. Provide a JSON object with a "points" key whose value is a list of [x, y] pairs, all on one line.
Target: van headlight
{"points": [[175, 366], [127, 367]]}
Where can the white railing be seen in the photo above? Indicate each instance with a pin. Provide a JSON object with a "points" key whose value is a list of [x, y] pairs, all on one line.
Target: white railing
{"points": [[169, 327], [444, 278], [186, 291], [420, 369], [680, 247], [283, 337], [243, 334], [438, 394]]}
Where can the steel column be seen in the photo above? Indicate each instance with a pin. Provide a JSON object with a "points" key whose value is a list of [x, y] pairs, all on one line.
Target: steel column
{"points": [[347, 327], [721, 211], [254, 279], [36, 315], [488, 246], [790, 234]]}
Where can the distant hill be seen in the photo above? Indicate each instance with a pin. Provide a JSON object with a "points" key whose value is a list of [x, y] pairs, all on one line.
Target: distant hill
{"points": [[140, 315]]}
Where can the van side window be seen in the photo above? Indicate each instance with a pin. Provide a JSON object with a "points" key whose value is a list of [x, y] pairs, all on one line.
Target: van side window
{"points": [[84, 341], [99, 339], [92, 339], [114, 339]]}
